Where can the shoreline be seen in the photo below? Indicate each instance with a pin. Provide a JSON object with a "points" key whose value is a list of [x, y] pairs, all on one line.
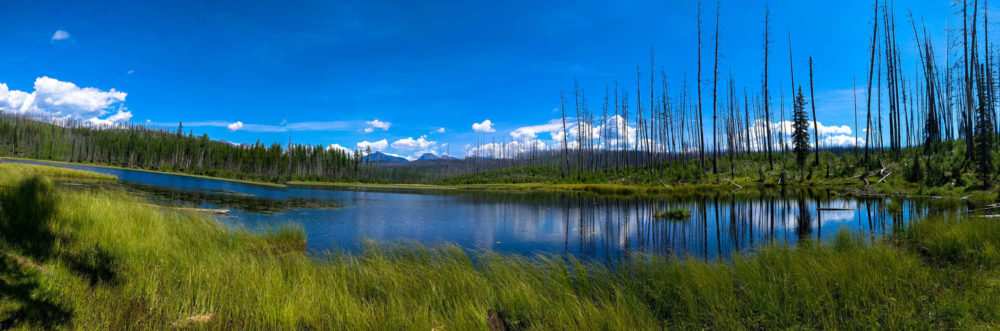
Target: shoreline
{"points": [[97, 165], [739, 186]]}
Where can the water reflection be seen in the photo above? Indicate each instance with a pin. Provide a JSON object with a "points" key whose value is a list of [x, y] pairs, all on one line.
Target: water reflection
{"points": [[587, 227]]}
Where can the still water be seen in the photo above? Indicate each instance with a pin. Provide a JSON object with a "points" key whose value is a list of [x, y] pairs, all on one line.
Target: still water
{"points": [[587, 227]]}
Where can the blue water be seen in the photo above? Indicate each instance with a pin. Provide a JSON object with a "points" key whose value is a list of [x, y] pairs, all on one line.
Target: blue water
{"points": [[585, 227]]}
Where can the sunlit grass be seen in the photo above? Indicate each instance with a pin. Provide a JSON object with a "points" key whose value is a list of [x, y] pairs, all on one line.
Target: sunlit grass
{"points": [[117, 263], [11, 173]]}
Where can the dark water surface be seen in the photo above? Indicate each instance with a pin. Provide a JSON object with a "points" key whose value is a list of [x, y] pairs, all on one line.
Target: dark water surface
{"points": [[553, 223]]}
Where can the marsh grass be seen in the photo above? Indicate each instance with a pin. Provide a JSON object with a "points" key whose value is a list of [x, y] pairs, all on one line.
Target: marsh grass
{"points": [[119, 264], [676, 214]]}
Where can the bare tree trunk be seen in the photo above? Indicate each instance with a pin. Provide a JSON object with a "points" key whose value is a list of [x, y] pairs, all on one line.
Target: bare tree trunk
{"points": [[812, 102], [715, 93], [565, 135], [766, 96], [701, 132]]}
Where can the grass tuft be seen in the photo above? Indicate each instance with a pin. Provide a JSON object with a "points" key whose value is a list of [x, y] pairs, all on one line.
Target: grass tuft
{"points": [[676, 214]]}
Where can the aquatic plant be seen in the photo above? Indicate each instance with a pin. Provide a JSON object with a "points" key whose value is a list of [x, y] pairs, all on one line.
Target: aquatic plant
{"points": [[676, 214]]}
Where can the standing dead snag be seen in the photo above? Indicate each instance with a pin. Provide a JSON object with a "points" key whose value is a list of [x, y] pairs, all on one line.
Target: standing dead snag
{"points": [[715, 95], [871, 68], [766, 96], [701, 131], [812, 102], [562, 99]]}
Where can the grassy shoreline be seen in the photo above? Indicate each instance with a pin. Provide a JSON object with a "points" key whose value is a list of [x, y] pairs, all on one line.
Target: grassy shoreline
{"points": [[145, 170], [709, 185], [105, 260]]}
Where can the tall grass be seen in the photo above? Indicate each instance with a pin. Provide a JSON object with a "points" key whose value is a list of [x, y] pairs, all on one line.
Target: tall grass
{"points": [[117, 263]]}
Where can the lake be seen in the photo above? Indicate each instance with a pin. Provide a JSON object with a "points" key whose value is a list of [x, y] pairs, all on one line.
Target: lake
{"points": [[587, 227]]}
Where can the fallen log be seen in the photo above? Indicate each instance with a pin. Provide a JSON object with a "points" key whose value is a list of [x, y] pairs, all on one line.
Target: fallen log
{"points": [[196, 210], [738, 187], [882, 180]]}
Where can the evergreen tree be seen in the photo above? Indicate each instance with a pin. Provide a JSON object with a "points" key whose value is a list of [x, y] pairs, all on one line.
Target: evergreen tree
{"points": [[984, 138], [800, 129]]}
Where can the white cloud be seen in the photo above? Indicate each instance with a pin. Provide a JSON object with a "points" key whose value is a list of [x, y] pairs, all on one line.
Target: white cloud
{"points": [[379, 124], [439, 130], [368, 130], [298, 126], [409, 144], [840, 141], [121, 116], [531, 132], [374, 145], [485, 126], [130, 71], [338, 147], [63, 100], [60, 35], [511, 149], [829, 136], [235, 126]]}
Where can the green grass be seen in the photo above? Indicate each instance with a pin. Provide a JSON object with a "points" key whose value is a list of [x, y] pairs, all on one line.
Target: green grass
{"points": [[11, 173], [98, 165], [116, 263], [676, 214]]}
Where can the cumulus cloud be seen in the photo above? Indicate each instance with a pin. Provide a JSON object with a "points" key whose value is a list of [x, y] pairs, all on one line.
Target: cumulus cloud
{"points": [[378, 125], [485, 126], [823, 129], [60, 35], [615, 131], [505, 150], [409, 144], [63, 100], [439, 130], [120, 117], [235, 126], [340, 148], [373, 145], [841, 141], [368, 130], [531, 132], [829, 136]]}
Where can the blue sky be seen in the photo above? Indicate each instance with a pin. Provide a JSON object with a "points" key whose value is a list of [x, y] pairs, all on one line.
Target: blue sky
{"points": [[324, 71]]}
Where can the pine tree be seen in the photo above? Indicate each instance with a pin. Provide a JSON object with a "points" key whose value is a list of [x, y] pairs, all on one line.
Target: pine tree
{"points": [[984, 136], [800, 129]]}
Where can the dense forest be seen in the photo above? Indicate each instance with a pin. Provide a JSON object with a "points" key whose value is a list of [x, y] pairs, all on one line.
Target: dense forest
{"points": [[139, 147]]}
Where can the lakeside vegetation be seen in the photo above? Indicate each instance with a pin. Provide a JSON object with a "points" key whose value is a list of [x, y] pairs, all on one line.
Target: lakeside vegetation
{"points": [[945, 173], [103, 259]]}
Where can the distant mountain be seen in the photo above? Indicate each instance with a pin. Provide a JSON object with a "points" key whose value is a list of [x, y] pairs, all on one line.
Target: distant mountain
{"points": [[428, 156], [383, 157], [242, 145], [448, 157]]}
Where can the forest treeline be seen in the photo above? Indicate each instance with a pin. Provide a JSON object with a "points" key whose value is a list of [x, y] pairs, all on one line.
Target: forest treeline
{"points": [[136, 146]]}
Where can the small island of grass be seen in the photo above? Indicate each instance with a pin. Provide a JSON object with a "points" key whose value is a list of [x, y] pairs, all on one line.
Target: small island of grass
{"points": [[676, 214]]}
